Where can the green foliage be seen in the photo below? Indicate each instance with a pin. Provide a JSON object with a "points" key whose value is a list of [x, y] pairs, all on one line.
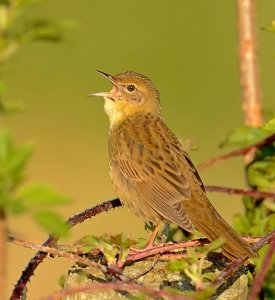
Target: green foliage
{"points": [[270, 28], [35, 199], [16, 30], [52, 222], [12, 164], [245, 136], [259, 217], [114, 248], [261, 174], [194, 266]]}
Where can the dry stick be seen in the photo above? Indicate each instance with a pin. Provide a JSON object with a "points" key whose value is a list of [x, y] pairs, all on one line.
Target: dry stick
{"points": [[257, 285], [230, 191], [56, 252], [117, 286], [51, 241], [238, 152]]}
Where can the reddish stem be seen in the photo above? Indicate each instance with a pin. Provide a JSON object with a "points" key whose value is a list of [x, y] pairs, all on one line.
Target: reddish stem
{"points": [[230, 191], [261, 275], [117, 286]]}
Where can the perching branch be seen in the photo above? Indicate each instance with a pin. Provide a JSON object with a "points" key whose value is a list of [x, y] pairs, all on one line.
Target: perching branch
{"points": [[51, 241]]}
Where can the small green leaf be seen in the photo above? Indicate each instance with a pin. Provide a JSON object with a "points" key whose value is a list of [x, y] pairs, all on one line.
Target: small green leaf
{"points": [[245, 136], [41, 195], [214, 246], [52, 222], [141, 243], [270, 126], [270, 28], [19, 158], [261, 174], [177, 265], [206, 293], [62, 281], [269, 204]]}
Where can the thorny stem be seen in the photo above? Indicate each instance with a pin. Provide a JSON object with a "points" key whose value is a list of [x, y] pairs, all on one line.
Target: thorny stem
{"points": [[51, 241], [56, 252]]}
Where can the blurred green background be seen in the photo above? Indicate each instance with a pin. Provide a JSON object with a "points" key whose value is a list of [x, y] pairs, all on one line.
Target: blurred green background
{"points": [[187, 48]]}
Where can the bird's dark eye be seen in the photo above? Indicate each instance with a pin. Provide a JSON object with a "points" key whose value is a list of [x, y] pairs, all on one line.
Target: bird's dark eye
{"points": [[131, 88]]}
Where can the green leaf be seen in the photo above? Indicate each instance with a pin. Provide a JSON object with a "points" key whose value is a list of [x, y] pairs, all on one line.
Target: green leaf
{"points": [[245, 136], [62, 281], [41, 195], [177, 265], [19, 158], [270, 28], [52, 222], [214, 246], [270, 126], [261, 174], [41, 30]]}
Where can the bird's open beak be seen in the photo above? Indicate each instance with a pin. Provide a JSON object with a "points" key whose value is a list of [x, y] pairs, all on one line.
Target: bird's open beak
{"points": [[105, 94]]}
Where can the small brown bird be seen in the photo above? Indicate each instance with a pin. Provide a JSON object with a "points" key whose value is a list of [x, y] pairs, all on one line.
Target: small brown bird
{"points": [[151, 172]]}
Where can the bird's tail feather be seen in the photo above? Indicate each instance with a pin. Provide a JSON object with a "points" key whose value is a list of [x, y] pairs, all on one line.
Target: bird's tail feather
{"points": [[234, 246]]}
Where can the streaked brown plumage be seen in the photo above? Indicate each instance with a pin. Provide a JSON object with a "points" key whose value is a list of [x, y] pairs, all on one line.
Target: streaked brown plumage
{"points": [[151, 172]]}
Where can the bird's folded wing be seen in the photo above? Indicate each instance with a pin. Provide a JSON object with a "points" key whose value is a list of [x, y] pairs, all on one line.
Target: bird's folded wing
{"points": [[159, 180]]}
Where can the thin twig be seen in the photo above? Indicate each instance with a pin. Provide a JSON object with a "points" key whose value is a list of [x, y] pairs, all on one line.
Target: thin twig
{"points": [[263, 241], [230, 191], [51, 241], [56, 252], [147, 270], [159, 249], [261, 275], [117, 286], [225, 274], [238, 152]]}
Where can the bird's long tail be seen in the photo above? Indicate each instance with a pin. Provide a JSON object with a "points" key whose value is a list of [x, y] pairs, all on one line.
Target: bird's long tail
{"points": [[215, 227]]}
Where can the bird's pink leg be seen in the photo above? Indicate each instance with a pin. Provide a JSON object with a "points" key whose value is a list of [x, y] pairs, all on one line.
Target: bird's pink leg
{"points": [[150, 242]]}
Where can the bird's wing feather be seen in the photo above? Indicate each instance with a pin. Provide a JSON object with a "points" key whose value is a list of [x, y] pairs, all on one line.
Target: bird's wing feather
{"points": [[158, 177]]}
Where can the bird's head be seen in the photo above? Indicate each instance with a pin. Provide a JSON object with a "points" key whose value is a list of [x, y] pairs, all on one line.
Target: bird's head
{"points": [[131, 93]]}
